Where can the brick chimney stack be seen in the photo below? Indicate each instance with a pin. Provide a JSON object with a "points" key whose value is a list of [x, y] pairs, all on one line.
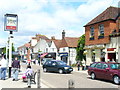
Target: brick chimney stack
{"points": [[63, 34]]}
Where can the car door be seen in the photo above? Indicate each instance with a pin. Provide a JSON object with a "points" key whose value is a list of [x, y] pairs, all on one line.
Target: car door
{"points": [[54, 66], [104, 73], [98, 70], [48, 65]]}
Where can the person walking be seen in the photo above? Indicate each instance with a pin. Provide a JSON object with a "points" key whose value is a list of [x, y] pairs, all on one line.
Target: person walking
{"points": [[3, 64], [15, 68], [39, 61], [78, 65]]}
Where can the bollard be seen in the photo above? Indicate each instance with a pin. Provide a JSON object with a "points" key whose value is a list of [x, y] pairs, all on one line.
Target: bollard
{"points": [[38, 78], [29, 81], [118, 87], [71, 84]]}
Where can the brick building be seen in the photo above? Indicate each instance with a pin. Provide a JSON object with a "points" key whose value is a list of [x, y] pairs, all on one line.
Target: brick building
{"points": [[101, 43]]}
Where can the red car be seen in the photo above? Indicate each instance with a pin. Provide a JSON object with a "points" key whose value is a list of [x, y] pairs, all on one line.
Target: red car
{"points": [[105, 70]]}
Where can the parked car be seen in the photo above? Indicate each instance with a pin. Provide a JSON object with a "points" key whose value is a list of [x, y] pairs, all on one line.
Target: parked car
{"points": [[57, 66], [105, 70]]}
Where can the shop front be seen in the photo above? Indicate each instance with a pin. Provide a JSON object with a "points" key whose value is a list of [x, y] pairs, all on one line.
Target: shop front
{"points": [[64, 57]]}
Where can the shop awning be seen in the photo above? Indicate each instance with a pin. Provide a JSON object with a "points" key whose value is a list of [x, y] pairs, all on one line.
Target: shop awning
{"points": [[43, 55]]}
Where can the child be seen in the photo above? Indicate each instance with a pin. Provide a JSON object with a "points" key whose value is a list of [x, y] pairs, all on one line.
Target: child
{"points": [[29, 72]]}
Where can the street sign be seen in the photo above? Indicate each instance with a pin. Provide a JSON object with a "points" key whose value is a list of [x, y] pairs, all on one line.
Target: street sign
{"points": [[11, 22]]}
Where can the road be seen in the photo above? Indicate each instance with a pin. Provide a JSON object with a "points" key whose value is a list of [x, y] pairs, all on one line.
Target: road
{"points": [[82, 80]]}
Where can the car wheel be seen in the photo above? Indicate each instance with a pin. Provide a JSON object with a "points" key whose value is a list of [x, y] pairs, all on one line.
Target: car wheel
{"points": [[93, 75], [116, 80], [60, 71], [45, 69]]}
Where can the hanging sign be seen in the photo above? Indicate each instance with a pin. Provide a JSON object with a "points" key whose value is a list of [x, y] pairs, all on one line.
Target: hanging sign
{"points": [[11, 22]]}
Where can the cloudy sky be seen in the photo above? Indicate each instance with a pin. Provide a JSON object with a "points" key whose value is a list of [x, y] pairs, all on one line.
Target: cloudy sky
{"points": [[50, 17]]}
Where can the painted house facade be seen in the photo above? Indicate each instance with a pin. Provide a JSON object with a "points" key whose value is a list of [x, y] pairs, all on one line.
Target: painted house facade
{"points": [[99, 44]]}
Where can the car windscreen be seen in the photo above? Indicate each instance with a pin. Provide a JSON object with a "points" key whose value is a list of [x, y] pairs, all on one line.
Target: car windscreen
{"points": [[61, 63], [115, 66]]}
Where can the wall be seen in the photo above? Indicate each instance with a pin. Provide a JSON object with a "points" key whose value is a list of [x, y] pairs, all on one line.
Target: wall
{"points": [[109, 26], [41, 45]]}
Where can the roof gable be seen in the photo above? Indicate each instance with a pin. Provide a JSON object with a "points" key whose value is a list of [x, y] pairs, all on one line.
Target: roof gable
{"points": [[69, 42], [110, 13]]}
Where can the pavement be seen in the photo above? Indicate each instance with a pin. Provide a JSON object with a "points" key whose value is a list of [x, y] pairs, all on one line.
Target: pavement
{"points": [[8, 83]]}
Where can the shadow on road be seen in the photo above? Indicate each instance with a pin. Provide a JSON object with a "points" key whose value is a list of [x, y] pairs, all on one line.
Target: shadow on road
{"points": [[102, 80]]}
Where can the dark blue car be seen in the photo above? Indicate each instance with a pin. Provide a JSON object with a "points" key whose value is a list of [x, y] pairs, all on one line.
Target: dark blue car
{"points": [[57, 66]]}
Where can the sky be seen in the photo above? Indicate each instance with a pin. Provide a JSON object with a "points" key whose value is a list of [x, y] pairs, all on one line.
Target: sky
{"points": [[50, 17]]}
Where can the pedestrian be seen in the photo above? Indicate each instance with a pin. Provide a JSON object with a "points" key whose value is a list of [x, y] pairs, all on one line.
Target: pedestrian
{"points": [[15, 68], [78, 65], [3, 64], [29, 71], [39, 61]]}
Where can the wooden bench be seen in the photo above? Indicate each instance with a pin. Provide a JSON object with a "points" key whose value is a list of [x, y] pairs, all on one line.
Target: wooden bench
{"points": [[33, 78]]}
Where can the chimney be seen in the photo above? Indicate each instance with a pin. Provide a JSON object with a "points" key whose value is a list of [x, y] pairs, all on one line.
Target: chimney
{"points": [[63, 34], [53, 37]]}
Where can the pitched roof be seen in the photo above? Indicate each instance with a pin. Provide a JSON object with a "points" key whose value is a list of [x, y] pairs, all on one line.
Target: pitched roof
{"points": [[69, 42], [25, 45], [57, 43], [38, 36], [109, 13]]}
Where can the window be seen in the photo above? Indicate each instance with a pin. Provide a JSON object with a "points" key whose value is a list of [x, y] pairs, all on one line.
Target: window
{"points": [[93, 65], [99, 66], [63, 49], [101, 30], [46, 49], [48, 63], [105, 66], [52, 49], [115, 66], [54, 63], [91, 33]]}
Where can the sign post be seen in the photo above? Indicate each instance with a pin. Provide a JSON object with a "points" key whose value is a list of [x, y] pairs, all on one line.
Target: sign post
{"points": [[11, 25]]}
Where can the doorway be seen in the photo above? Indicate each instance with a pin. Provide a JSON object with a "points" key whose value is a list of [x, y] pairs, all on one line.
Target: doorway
{"points": [[112, 56]]}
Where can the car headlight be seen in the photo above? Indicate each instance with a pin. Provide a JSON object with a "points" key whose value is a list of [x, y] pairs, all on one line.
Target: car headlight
{"points": [[66, 67]]}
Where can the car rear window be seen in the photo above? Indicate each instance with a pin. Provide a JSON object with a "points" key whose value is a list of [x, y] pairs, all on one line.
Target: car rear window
{"points": [[115, 66]]}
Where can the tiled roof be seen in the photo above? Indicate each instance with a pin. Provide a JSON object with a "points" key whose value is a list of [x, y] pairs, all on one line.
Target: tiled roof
{"points": [[57, 43], [109, 13], [38, 36], [27, 45], [69, 42]]}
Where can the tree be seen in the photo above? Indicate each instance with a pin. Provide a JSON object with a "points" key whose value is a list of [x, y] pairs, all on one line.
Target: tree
{"points": [[80, 49]]}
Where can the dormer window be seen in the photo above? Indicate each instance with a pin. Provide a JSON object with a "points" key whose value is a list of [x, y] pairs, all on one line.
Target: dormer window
{"points": [[91, 33], [101, 31]]}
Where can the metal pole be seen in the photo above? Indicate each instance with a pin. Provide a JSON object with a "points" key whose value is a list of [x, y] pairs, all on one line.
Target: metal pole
{"points": [[6, 50], [10, 53], [38, 79]]}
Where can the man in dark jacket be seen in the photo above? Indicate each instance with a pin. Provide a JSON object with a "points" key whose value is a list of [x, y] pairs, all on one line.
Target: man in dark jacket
{"points": [[16, 67]]}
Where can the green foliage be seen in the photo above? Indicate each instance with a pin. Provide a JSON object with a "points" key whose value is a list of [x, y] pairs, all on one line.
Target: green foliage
{"points": [[80, 49], [73, 65]]}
